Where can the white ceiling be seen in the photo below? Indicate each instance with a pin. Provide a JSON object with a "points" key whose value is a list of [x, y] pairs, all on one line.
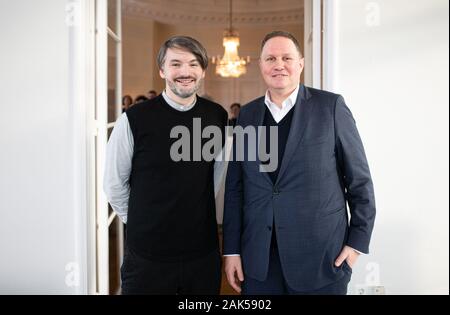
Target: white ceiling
{"points": [[216, 12]]}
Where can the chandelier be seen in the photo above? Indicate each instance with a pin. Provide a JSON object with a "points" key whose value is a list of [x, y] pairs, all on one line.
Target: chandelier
{"points": [[230, 65]]}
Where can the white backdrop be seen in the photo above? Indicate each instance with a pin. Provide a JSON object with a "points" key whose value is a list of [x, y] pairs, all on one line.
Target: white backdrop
{"points": [[42, 183], [389, 59]]}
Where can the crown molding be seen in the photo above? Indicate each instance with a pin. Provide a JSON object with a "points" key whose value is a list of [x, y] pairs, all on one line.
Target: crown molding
{"points": [[195, 12]]}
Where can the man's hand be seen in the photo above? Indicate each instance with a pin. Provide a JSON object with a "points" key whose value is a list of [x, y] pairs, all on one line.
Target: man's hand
{"points": [[233, 270], [348, 254]]}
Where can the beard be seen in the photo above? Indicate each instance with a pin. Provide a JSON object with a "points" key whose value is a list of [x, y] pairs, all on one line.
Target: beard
{"points": [[181, 91]]}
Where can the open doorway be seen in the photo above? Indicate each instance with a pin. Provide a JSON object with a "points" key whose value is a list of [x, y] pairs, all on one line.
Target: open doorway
{"points": [[129, 34]]}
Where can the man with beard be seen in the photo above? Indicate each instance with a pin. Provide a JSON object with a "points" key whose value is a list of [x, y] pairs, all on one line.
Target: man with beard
{"points": [[168, 205]]}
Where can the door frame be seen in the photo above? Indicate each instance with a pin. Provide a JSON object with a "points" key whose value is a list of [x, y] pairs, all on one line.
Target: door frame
{"points": [[104, 220], [313, 30], [98, 221]]}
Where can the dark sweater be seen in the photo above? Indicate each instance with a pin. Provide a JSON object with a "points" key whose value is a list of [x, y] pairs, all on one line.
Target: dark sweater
{"points": [[284, 127], [171, 214], [283, 133]]}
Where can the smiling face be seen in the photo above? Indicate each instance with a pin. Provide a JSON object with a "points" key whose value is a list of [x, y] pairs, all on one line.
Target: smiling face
{"points": [[281, 65], [183, 74]]}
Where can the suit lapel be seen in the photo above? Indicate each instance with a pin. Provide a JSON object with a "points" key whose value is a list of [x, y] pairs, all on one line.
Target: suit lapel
{"points": [[259, 116], [302, 110]]}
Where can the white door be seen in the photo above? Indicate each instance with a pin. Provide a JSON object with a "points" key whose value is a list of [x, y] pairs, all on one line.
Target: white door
{"points": [[313, 38], [107, 110]]}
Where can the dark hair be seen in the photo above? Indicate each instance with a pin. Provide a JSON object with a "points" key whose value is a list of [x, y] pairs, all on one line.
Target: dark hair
{"points": [[140, 98], [235, 105], [281, 34], [152, 92], [127, 97], [185, 43]]}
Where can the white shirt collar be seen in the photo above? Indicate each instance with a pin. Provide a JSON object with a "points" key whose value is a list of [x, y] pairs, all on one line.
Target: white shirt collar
{"points": [[277, 112], [177, 106]]}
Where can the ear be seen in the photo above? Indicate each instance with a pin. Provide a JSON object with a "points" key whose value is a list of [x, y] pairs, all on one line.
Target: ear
{"points": [[203, 74], [302, 63], [161, 74]]}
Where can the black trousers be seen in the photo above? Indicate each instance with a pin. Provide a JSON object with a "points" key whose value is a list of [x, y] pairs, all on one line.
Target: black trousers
{"points": [[198, 276]]}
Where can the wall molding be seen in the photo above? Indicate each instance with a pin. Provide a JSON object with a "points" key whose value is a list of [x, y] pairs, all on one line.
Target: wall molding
{"points": [[215, 13]]}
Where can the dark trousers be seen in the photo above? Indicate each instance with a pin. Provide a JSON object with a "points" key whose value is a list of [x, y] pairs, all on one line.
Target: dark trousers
{"points": [[198, 276], [275, 284]]}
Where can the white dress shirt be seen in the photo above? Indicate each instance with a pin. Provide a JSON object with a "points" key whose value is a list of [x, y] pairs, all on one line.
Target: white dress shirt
{"points": [[277, 112]]}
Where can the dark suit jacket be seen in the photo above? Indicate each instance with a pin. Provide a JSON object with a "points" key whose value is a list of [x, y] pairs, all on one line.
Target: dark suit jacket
{"points": [[324, 167]]}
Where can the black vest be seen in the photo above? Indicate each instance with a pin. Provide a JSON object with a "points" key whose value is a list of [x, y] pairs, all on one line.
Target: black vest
{"points": [[171, 214]]}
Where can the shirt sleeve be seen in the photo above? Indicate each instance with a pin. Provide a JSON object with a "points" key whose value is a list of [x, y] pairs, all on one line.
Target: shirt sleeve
{"points": [[119, 155], [220, 165]]}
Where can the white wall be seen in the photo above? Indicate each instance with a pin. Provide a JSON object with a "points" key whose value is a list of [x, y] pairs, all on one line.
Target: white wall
{"points": [[390, 61], [41, 158]]}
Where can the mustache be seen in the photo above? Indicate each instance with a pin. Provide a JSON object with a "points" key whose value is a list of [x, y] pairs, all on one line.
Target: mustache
{"points": [[185, 78]]}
